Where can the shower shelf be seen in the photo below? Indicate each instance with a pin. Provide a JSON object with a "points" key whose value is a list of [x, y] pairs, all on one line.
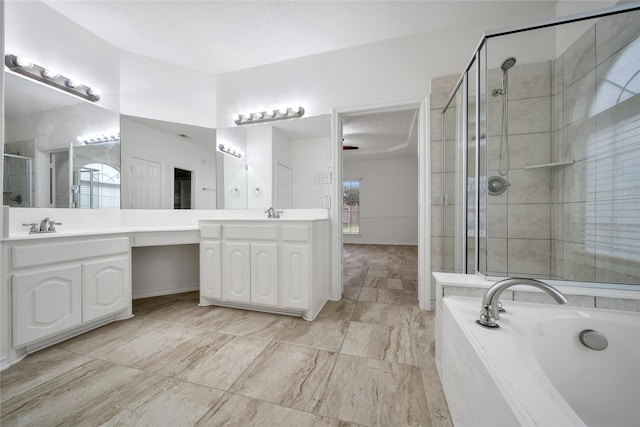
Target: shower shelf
{"points": [[550, 165]]}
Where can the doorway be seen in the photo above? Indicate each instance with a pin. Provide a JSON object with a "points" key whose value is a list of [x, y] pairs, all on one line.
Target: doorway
{"points": [[392, 217], [182, 189]]}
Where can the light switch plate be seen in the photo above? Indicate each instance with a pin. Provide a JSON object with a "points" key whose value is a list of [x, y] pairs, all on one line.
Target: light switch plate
{"points": [[323, 177]]}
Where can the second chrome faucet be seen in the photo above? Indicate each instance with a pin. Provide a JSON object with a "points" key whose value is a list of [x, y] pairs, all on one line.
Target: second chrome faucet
{"points": [[272, 213]]}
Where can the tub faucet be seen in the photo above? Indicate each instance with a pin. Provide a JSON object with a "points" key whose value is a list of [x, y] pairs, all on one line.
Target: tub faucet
{"points": [[490, 303]]}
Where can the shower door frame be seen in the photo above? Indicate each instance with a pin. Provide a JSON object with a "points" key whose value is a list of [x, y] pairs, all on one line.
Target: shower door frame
{"points": [[463, 80]]}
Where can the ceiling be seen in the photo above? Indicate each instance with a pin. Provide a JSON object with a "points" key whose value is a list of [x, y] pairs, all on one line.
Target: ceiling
{"points": [[223, 36], [386, 135]]}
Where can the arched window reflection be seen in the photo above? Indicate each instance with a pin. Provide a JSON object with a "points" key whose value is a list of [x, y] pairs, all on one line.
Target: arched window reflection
{"points": [[99, 187]]}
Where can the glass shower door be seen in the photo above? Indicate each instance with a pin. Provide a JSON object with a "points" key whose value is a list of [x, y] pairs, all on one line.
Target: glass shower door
{"points": [[17, 181]]}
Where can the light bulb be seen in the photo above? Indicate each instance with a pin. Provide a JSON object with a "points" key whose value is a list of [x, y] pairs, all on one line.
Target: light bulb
{"points": [[73, 84], [94, 91], [236, 117], [50, 74], [295, 110], [23, 62]]}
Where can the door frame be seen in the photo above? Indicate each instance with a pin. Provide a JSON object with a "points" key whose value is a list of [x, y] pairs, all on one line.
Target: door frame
{"points": [[424, 203]]}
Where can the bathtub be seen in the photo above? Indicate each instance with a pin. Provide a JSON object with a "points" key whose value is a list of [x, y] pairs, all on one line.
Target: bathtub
{"points": [[533, 370]]}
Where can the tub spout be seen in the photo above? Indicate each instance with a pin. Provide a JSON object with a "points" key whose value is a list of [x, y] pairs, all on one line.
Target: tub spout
{"points": [[490, 303]]}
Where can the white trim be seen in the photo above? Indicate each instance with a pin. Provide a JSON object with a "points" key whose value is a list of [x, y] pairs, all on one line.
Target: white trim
{"points": [[424, 185]]}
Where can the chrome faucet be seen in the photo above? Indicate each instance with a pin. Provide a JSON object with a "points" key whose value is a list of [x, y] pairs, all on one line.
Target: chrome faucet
{"points": [[272, 213], [491, 304], [46, 226]]}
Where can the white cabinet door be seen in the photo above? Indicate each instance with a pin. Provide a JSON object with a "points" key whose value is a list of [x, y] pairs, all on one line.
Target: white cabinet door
{"points": [[264, 273], [106, 287], [236, 270], [211, 269], [294, 276], [45, 303]]}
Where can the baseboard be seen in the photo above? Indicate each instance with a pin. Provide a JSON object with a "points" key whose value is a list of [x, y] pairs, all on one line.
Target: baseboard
{"points": [[160, 292]]}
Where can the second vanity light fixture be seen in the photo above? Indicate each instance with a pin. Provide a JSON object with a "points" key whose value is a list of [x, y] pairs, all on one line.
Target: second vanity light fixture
{"points": [[27, 68], [228, 149], [99, 138], [269, 116]]}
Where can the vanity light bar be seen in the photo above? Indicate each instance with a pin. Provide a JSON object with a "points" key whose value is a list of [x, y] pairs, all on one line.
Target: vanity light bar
{"points": [[269, 116], [21, 65], [99, 138], [232, 151]]}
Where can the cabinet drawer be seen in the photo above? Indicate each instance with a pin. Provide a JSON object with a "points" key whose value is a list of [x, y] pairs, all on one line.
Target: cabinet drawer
{"points": [[42, 253], [251, 232], [295, 233], [210, 231]]}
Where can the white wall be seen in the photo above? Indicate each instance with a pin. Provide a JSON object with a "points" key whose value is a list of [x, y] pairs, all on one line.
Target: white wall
{"points": [[58, 128], [377, 73], [41, 34], [309, 156], [260, 162], [171, 152], [388, 200], [233, 193], [152, 273], [164, 91]]}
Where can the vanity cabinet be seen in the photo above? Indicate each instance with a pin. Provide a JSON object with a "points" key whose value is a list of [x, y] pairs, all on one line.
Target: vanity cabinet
{"points": [[58, 284], [272, 265]]}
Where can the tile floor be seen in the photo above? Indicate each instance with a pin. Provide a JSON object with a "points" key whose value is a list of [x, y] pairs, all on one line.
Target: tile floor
{"points": [[366, 360]]}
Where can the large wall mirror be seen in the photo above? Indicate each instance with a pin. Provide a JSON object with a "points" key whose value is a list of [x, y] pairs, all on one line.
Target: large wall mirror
{"points": [[60, 151], [52, 160], [281, 164]]}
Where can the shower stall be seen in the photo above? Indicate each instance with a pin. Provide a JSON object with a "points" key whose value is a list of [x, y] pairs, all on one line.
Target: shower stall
{"points": [[541, 153]]}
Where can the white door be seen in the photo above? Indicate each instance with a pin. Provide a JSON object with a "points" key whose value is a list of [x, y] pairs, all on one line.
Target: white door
{"points": [[264, 273], [294, 276], [45, 303], [146, 184], [105, 287], [283, 187], [236, 270], [211, 269]]}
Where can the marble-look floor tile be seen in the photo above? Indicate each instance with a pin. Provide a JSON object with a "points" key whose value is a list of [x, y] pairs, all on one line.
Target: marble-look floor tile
{"points": [[400, 316], [215, 360], [37, 369], [380, 342], [379, 282], [235, 411], [389, 296], [355, 271], [69, 398], [108, 337], [146, 350], [254, 324], [167, 402], [323, 333], [291, 376], [352, 280], [182, 312], [424, 343], [351, 292], [332, 422], [375, 393], [342, 309]]}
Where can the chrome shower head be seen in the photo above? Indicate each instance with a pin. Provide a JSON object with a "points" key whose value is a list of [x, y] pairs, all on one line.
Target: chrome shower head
{"points": [[508, 63]]}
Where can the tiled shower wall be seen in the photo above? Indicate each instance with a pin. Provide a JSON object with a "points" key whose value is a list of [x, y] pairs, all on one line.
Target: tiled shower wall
{"points": [[519, 220], [576, 222], [596, 123]]}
